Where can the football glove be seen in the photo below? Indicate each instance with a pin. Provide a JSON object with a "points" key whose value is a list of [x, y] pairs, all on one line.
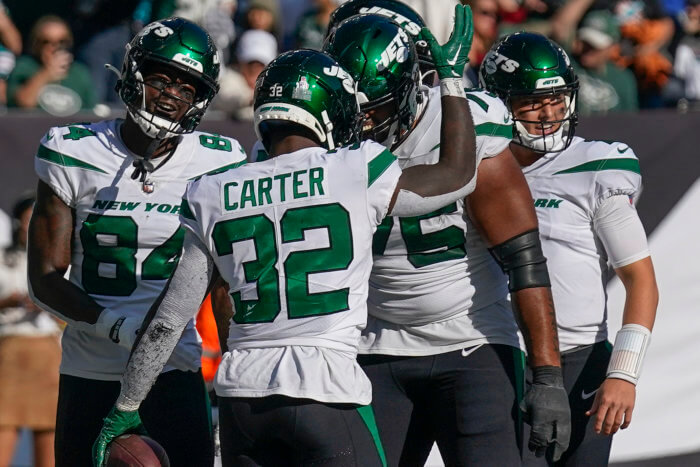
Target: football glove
{"points": [[115, 424], [546, 409], [452, 57]]}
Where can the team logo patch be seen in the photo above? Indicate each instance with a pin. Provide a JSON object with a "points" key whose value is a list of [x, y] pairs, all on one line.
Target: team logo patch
{"points": [[301, 90], [188, 61], [549, 82]]}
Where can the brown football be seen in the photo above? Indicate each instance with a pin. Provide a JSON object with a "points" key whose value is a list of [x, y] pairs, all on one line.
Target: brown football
{"points": [[136, 451]]}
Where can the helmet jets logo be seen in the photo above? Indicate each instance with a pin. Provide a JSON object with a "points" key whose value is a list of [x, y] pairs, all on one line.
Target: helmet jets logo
{"points": [[412, 28], [159, 29], [494, 61], [398, 49], [301, 90], [343, 76], [187, 61], [550, 82]]}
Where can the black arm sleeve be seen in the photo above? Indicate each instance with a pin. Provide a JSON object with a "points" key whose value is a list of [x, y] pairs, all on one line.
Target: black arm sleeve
{"points": [[522, 259]]}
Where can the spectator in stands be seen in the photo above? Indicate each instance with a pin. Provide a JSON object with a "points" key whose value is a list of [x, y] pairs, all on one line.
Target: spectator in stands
{"points": [[7, 64], [438, 16], [254, 51], [312, 26], [687, 60], [645, 32], [10, 37], [604, 86], [29, 353], [104, 28], [49, 78], [528, 15], [10, 46], [264, 15], [485, 33], [216, 16]]}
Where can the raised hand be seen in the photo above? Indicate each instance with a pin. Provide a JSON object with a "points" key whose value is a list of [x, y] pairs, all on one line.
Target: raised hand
{"points": [[452, 57]]}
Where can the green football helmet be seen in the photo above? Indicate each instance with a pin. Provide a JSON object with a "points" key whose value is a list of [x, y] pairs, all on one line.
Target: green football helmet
{"points": [[381, 58], [180, 44], [399, 12], [308, 88], [529, 64]]}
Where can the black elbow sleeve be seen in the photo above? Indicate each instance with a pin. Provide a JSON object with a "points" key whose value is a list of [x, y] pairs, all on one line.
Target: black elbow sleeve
{"points": [[522, 259]]}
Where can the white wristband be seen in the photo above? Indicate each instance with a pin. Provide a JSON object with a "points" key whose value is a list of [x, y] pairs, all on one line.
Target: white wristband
{"points": [[452, 87], [628, 352]]}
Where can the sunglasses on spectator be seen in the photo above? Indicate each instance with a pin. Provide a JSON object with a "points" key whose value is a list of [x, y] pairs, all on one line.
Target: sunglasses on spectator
{"points": [[59, 42], [491, 13]]}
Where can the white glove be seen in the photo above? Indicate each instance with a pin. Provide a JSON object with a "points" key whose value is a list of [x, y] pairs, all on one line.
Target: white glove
{"points": [[118, 328], [186, 357]]}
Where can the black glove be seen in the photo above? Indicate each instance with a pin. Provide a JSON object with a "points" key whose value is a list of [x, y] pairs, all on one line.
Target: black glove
{"points": [[546, 409]]}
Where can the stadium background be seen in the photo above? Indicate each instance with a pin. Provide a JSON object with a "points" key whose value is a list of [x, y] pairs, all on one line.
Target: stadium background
{"points": [[666, 427]]}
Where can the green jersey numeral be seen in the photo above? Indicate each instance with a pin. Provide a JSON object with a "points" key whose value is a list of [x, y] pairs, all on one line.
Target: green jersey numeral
{"points": [[424, 249], [112, 241], [264, 272], [75, 133], [261, 270], [215, 142]]}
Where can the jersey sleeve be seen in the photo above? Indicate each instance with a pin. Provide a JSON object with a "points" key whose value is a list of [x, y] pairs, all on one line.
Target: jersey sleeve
{"points": [[191, 214], [383, 173], [56, 169], [492, 123], [617, 173]]}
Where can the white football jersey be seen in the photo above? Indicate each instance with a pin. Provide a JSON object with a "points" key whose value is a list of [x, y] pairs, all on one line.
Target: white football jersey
{"points": [[434, 286], [568, 187], [126, 240], [291, 236]]}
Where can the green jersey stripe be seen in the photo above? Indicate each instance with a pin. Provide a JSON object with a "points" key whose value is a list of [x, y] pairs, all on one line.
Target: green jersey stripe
{"points": [[367, 415], [478, 101], [220, 169], [629, 164], [186, 211], [377, 166], [64, 160], [489, 129], [494, 129]]}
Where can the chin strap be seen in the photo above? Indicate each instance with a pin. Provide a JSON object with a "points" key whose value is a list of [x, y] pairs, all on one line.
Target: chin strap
{"points": [[143, 165]]}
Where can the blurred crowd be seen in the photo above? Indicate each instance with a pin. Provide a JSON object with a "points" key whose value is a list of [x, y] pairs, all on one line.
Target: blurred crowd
{"points": [[629, 54]]}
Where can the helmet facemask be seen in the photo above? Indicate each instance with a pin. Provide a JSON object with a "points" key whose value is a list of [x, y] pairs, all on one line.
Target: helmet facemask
{"points": [[132, 90], [391, 131], [553, 142], [522, 69]]}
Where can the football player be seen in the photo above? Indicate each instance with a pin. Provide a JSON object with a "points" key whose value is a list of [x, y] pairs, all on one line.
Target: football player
{"points": [[441, 345], [108, 203], [292, 237], [584, 193]]}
